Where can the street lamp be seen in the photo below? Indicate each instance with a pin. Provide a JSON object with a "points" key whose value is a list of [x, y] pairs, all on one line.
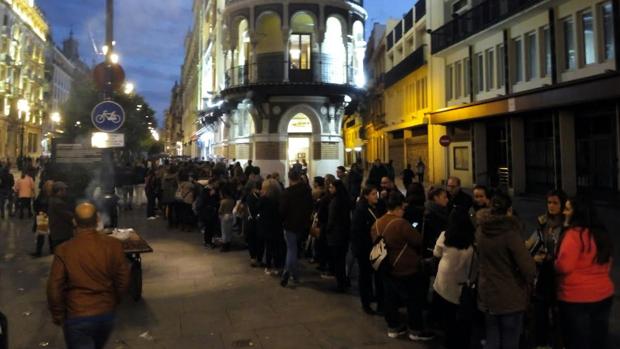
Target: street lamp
{"points": [[129, 87], [23, 108], [55, 117]]}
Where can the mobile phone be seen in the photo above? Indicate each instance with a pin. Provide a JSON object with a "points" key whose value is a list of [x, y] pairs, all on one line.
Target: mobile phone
{"points": [[414, 224]]}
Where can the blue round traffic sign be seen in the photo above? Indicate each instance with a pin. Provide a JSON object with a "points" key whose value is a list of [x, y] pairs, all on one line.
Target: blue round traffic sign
{"points": [[108, 116]]}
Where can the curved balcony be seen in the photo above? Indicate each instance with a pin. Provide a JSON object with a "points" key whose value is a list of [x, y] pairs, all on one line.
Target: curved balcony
{"points": [[273, 72], [358, 2]]}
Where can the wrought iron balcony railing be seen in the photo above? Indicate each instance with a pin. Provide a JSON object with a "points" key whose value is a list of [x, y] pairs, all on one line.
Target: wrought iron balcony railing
{"points": [[272, 72], [477, 19]]}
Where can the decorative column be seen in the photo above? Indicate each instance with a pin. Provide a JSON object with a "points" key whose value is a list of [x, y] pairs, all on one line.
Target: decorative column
{"points": [[286, 53]]}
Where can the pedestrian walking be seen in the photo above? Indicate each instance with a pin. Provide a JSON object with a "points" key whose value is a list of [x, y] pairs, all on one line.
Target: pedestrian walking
{"points": [[407, 176], [88, 277], [296, 214], [506, 273], [60, 215], [420, 169], [585, 289], [41, 208], [24, 190]]}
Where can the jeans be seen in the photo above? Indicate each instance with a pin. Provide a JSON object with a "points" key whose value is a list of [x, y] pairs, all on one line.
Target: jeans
{"points": [[88, 333], [226, 222], [410, 290], [503, 331], [24, 204], [586, 325], [291, 253], [150, 205]]}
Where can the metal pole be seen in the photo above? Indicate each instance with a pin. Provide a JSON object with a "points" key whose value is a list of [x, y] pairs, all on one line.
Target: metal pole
{"points": [[109, 41]]}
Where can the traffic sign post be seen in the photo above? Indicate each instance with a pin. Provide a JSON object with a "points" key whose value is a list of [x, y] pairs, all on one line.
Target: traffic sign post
{"points": [[445, 141], [108, 116]]}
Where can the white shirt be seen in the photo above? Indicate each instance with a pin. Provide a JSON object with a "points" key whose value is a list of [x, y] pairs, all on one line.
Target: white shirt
{"points": [[453, 269]]}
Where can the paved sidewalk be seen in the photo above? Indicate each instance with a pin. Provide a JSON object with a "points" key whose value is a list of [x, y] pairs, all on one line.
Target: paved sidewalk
{"points": [[193, 298]]}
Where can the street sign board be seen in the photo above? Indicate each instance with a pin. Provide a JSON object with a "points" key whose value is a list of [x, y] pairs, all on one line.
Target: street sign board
{"points": [[445, 141], [77, 154], [104, 140], [108, 116]]}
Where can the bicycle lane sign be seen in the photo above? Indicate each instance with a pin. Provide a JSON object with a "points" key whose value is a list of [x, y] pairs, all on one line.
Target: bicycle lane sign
{"points": [[108, 116]]}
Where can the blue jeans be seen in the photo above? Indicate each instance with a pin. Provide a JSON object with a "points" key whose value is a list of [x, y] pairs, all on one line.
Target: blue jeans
{"points": [[88, 333], [503, 331], [291, 253]]}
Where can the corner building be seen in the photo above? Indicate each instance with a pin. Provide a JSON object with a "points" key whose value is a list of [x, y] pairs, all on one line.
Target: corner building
{"points": [[528, 91], [285, 77]]}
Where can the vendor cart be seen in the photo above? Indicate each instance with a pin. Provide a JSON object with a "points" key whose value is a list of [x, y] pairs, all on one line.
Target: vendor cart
{"points": [[134, 247]]}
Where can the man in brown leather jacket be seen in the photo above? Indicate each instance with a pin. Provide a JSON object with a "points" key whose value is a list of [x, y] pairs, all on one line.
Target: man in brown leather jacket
{"points": [[88, 277]]}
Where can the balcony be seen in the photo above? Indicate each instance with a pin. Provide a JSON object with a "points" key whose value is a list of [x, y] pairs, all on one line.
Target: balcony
{"points": [[410, 64], [358, 2], [271, 72], [477, 19]]}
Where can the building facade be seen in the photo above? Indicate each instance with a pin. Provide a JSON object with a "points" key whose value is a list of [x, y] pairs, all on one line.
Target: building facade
{"points": [[173, 123], [275, 80], [528, 93], [23, 37]]}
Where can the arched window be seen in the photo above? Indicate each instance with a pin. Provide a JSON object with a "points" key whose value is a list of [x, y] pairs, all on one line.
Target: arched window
{"points": [[301, 41], [269, 49], [359, 46], [335, 65]]}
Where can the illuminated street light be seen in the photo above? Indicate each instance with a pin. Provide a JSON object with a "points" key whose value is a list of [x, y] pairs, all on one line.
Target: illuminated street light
{"points": [[114, 58], [105, 50], [23, 108], [55, 117], [129, 88]]}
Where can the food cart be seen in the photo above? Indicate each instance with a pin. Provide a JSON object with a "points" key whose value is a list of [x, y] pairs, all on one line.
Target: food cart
{"points": [[134, 246]]}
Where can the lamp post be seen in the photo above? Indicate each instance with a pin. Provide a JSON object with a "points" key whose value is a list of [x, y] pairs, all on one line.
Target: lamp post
{"points": [[23, 108]]}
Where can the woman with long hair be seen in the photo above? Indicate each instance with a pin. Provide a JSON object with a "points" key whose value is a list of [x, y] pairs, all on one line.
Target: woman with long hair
{"points": [[364, 216], [270, 226], [585, 289], [337, 233], [455, 249]]}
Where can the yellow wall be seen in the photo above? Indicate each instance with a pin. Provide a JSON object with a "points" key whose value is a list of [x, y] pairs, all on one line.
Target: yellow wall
{"points": [[408, 100], [269, 34]]}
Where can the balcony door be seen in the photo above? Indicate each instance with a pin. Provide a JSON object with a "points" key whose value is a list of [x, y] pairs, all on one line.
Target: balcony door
{"points": [[300, 57]]}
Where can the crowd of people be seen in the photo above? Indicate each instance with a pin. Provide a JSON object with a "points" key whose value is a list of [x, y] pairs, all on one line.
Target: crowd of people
{"points": [[492, 284]]}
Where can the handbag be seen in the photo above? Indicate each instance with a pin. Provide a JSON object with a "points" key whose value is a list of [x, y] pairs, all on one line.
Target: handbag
{"points": [[315, 230], [42, 222], [468, 301], [379, 252]]}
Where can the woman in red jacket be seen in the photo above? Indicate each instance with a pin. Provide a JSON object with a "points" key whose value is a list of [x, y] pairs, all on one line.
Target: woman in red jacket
{"points": [[585, 289]]}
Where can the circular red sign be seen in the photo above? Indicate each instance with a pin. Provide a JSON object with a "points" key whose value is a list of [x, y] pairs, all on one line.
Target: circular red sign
{"points": [[445, 140], [100, 76]]}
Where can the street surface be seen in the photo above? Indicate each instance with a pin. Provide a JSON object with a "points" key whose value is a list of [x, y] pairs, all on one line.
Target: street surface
{"points": [[198, 298]]}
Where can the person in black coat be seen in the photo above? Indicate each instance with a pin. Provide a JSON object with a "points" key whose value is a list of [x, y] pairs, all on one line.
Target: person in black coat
{"points": [[269, 224], [377, 171], [338, 230], [256, 246], [208, 205], [416, 200], [435, 219], [364, 216], [458, 198]]}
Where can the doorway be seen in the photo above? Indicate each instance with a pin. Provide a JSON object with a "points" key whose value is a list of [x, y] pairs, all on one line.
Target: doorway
{"points": [[299, 134]]}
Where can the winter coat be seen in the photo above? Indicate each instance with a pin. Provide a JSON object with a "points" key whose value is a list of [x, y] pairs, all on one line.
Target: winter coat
{"points": [[269, 220], [169, 188], [435, 221], [364, 216], [296, 208], [60, 219], [399, 237], [338, 223], [506, 268]]}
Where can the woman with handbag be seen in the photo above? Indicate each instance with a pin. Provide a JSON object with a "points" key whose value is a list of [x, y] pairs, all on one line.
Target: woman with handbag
{"points": [[364, 216], [455, 250]]}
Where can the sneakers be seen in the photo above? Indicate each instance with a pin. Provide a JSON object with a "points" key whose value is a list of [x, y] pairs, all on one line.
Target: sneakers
{"points": [[421, 336], [396, 332], [284, 281], [328, 276], [151, 218]]}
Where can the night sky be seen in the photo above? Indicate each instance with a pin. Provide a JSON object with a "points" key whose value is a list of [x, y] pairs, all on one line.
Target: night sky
{"points": [[150, 38]]}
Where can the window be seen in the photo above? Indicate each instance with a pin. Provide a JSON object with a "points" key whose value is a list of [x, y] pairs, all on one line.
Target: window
{"points": [[587, 23], [518, 60], [546, 54], [479, 73], [467, 76], [570, 61], [490, 69], [501, 66], [608, 31], [300, 51], [449, 94], [458, 81], [459, 5], [532, 57]]}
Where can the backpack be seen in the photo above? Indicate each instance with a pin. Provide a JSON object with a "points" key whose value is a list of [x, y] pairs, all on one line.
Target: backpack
{"points": [[379, 249]]}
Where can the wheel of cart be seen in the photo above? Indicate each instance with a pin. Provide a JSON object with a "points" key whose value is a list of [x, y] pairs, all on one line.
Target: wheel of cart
{"points": [[135, 283]]}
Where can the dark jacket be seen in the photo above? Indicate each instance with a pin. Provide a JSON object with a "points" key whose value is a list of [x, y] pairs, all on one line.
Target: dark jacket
{"points": [[435, 221], [268, 218], [296, 208], [338, 222], [506, 268], [461, 199], [375, 175], [89, 275], [397, 235], [364, 216], [60, 219]]}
